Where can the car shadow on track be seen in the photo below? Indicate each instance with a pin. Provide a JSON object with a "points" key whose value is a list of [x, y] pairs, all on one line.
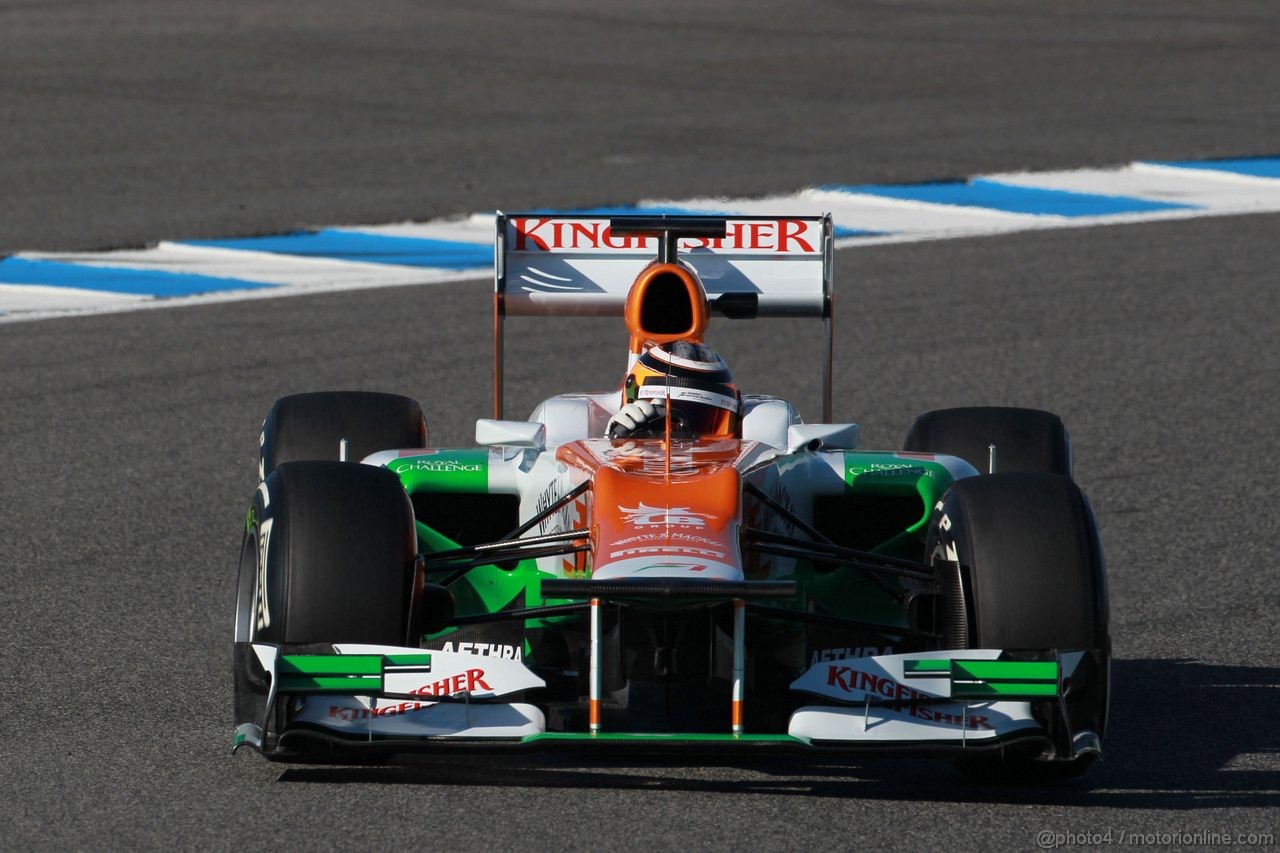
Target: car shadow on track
{"points": [[1183, 735]]}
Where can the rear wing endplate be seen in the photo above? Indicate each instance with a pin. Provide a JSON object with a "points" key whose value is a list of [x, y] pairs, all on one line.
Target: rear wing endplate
{"points": [[565, 265]]}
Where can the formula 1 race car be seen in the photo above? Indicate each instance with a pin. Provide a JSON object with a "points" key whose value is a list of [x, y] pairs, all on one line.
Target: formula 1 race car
{"points": [[744, 581]]}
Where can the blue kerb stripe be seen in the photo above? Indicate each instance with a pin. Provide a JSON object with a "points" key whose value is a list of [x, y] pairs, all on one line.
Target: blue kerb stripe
{"points": [[369, 248], [114, 280], [656, 210], [841, 231], [1258, 167], [1012, 198]]}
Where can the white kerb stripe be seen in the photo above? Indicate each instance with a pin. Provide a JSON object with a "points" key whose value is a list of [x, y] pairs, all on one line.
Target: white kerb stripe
{"points": [[1177, 186], [35, 297], [261, 267]]}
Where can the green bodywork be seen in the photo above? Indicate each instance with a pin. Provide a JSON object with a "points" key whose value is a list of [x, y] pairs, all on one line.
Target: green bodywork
{"points": [[444, 471], [342, 674], [991, 679], [845, 591], [485, 588], [891, 475]]}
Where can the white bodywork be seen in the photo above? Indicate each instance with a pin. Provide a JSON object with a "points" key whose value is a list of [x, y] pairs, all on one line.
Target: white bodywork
{"points": [[415, 711], [573, 265], [572, 417], [399, 718], [864, 682]]}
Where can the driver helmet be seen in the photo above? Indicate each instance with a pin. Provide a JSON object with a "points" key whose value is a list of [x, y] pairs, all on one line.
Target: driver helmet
{"points": [[703, 400]]}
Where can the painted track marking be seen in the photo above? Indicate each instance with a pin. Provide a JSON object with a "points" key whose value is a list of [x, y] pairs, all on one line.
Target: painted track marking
{"points": [[34, 285]]}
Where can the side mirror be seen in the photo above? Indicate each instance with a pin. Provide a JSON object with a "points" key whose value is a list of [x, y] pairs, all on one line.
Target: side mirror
{"points": [[511, 433], [811, 437]]}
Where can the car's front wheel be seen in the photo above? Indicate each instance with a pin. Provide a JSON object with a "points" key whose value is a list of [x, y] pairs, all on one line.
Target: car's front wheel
{"points": [[329, 556], [1022, 569]]}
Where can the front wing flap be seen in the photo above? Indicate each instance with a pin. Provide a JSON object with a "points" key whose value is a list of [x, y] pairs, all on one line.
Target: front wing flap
{"points": [[963, 698], [375, 693]]}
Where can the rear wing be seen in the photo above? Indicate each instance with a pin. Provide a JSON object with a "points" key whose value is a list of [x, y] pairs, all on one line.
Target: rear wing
{"points": [[563, 265]]}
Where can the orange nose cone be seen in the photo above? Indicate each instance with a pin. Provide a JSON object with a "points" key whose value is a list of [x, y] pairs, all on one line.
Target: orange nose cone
{"points": [[667, 303]]}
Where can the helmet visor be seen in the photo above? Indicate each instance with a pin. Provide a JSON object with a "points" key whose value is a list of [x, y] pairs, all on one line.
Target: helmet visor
{"points": [[691, 420], [695, 411]]}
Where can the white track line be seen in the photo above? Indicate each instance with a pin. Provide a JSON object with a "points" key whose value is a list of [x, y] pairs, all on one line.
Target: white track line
{"points": [[303, 273]]}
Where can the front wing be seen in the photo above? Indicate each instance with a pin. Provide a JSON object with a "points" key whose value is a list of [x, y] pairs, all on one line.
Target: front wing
{"points": [[349, 698]]}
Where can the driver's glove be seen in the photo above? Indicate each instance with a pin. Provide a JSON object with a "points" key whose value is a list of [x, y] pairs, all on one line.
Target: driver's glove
{"points": [[634, 417]]}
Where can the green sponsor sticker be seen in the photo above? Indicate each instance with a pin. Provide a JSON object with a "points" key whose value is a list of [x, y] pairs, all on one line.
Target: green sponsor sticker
{"points": [[888, 467], [444, 470]]}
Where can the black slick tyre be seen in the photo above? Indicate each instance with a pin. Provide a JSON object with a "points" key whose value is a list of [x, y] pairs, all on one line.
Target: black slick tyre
{"points": [[1031, 576], [1027, 441], [312, 426], [329, 556]]}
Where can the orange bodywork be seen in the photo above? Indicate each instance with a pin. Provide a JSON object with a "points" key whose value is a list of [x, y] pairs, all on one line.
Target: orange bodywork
{"points": [[691, 514], [642, 291]]}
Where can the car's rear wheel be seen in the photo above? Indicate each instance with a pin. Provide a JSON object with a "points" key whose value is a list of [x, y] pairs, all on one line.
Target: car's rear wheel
{"points": [[1026, 440], [312, 426], [1031, 576]]}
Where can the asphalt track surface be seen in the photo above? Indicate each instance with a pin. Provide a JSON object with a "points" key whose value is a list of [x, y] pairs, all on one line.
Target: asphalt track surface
{"points": [[127, 441]]}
